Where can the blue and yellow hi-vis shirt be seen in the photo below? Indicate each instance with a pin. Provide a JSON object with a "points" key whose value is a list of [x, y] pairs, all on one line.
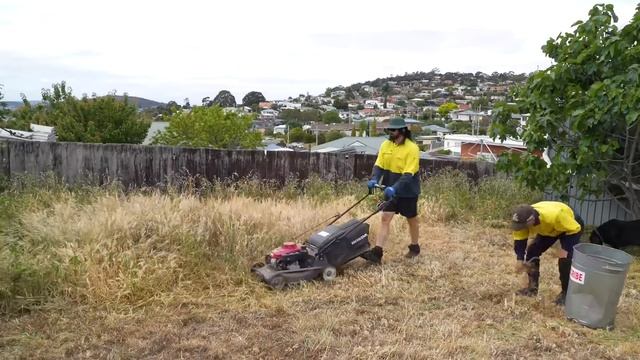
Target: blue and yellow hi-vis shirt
{"points": [[398, 166], [556, 218]]}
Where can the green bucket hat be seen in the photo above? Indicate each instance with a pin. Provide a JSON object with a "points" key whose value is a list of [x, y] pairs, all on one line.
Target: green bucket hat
{"points": [[396, 123]]}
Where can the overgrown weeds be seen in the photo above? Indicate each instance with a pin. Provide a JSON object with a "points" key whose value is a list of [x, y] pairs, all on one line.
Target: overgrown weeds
{"points": [[102, 272], [489, 201], [105, 245]]}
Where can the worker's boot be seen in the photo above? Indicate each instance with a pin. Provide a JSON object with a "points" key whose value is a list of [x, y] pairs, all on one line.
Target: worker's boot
{"points": [[414, 250], [533, 273], [374, 255], [564, 267]]}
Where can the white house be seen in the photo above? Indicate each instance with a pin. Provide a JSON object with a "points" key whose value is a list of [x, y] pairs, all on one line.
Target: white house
{"points": [[372, 104], [522, 119], [344, 115], [290, 106], [366, 88], [338, 93], [269, 114], [424, 94], [280, 129], [466, 115]]}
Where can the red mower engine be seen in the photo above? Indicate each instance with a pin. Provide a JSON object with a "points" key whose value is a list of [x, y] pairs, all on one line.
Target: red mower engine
{"points": [[288, 256]]}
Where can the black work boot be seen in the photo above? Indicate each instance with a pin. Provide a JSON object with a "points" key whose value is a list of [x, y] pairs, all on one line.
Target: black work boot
{"points": [[414, 250], [533, 272], [374, 255], [564, 267]]}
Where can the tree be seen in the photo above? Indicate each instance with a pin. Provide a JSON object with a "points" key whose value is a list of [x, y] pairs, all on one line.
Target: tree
{"points": [[172, 107], [585, 110], [22, 117], [331, 117], [209, 127], [429, 115], [386, 91], [309, 138], [362, 130], [435, 122], [305, 116], [3, 107], [482, 102], [226, 99], [353, 130], [372, 128], [446, 108], [253, 98], [416, 130], [333, 135], [401, 103], [186, 105], [340, 104], [98, 120], [104, 119], [297, 135], [460, 127]]}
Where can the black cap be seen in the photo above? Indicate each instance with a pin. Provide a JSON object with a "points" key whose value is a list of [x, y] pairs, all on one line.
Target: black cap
{"points": [[521, 216]]}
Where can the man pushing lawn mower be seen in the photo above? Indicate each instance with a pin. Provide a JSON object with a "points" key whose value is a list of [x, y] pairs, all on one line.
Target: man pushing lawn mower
{"points": [[397, 169]]}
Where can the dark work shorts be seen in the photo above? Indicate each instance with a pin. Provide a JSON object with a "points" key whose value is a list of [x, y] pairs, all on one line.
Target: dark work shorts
{"points": [[407, 207]]}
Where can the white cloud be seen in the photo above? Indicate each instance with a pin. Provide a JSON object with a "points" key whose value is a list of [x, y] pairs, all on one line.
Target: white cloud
{"points": [[175, 49]]}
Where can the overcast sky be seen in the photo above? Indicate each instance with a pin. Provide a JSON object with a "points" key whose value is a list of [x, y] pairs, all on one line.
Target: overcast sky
{"points": [[171, 50]]}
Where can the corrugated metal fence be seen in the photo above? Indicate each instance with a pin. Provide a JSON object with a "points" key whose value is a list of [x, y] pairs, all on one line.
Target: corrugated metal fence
{"points": [[593, 210]]}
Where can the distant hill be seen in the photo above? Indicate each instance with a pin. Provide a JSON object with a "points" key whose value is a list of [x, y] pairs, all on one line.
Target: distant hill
{"points": [[435, 77], [140, 103], [12, 105]]}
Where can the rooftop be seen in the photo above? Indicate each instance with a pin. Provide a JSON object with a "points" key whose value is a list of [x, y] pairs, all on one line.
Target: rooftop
{"points": [[359, 144], [437, 128], [485, 140]]}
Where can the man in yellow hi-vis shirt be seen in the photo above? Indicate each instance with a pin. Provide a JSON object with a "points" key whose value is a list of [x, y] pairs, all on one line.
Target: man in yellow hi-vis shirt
{"points": [[397, 168], [549, 221]]}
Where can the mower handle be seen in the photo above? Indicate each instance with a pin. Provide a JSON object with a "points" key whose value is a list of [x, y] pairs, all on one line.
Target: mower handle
{"points": [[377, 186]]}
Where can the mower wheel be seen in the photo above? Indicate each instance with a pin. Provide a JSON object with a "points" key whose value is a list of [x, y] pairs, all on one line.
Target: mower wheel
{"points": [[277, 282], [256, 266], [329, 273]]}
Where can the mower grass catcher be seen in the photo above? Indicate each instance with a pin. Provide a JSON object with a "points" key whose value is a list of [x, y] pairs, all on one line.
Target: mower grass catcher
{"points": [[321, 255]]}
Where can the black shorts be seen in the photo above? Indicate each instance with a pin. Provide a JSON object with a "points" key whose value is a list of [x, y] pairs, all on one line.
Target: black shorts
{"points": [[407, 207]]}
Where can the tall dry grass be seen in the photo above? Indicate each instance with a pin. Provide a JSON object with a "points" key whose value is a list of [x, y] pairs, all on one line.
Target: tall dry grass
{"points": [[105, 246], [102, 273]]}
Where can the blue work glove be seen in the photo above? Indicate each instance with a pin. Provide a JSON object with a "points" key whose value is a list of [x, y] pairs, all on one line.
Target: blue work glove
{"points": [[372, 184], [389, 192]]}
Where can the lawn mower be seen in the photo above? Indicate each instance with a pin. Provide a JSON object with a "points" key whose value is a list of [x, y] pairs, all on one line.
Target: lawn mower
{"points": [[322, 254]]}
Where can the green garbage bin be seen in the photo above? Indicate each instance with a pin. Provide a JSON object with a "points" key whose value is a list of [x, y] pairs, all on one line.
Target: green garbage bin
{"points": [[596, 281]]}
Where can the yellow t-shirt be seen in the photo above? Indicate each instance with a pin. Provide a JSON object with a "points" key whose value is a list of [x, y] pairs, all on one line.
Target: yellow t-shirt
{"points": [[396, 161], [556, 218]]}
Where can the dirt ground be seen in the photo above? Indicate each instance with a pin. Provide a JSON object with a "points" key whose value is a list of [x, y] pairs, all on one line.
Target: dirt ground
{"points": [[453, 302]]}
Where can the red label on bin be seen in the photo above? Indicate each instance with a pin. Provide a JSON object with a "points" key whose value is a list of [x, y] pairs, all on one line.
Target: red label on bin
{"points": [[577, 275]]}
